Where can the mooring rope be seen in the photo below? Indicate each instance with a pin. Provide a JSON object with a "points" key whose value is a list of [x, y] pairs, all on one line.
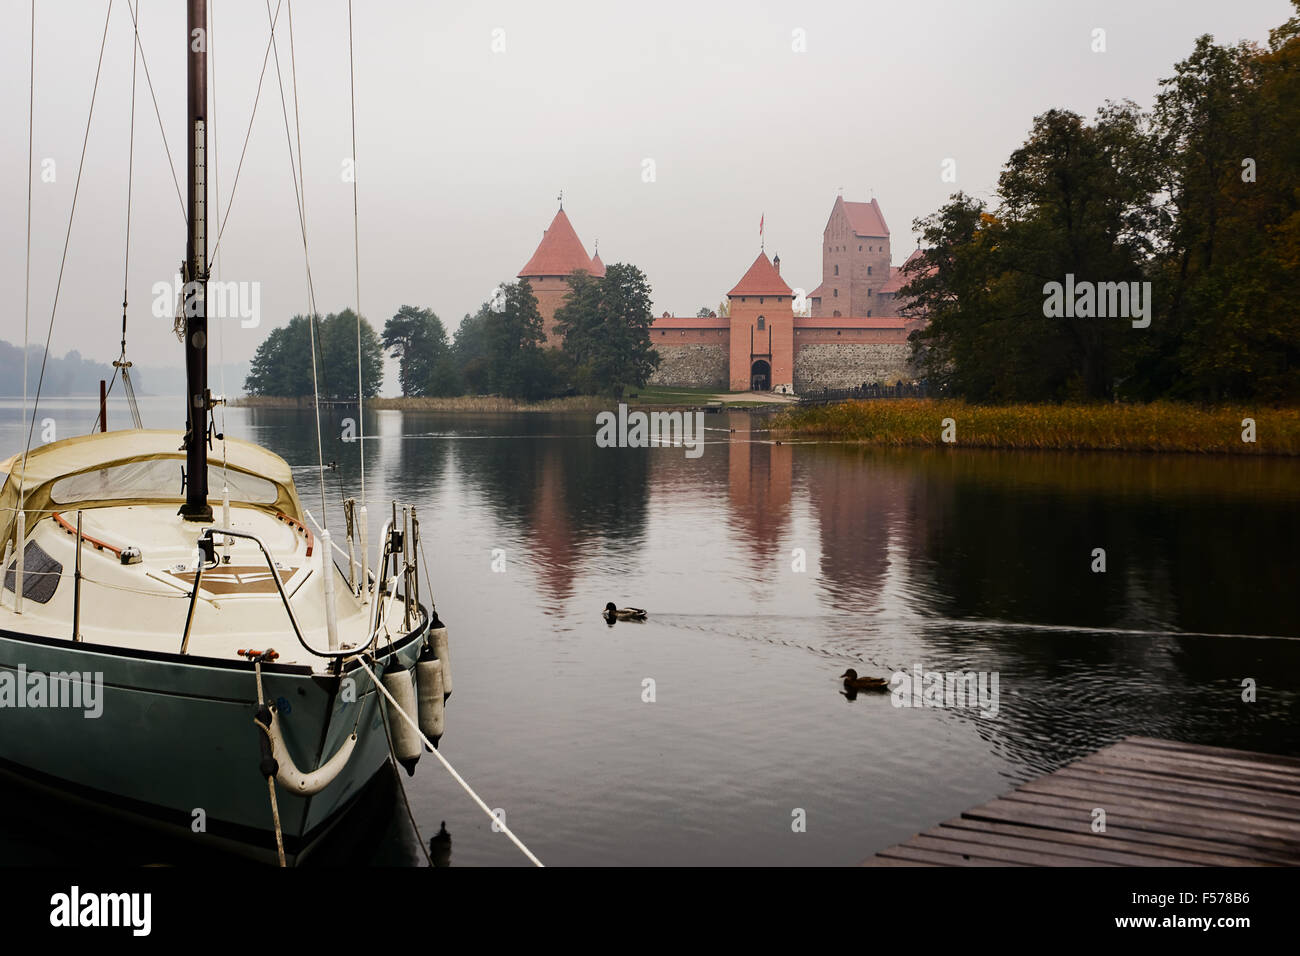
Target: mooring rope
{"points": [[401, 787], [498, 823], [270, 777]]}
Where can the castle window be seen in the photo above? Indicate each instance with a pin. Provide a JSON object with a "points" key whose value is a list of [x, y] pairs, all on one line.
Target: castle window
{"points": [[837, 270], [868, 292], [859, 247], [838, 332], [868, 313], [835, 293], [868, 270], [837, 313], [762, 323], [760, 300]]}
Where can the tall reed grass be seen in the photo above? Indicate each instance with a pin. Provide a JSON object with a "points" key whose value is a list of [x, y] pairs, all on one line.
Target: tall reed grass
{"points": [[1159, 426]]}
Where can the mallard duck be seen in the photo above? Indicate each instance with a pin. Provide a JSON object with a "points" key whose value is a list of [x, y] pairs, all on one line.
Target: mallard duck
{"points": [[853, 682], [613, 613]]}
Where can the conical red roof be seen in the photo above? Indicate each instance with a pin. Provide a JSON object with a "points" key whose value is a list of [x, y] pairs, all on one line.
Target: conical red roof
{"points": [[761, 279], [597, 267], [559, 253]]}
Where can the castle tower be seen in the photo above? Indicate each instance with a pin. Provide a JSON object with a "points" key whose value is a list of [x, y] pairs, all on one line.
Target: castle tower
{"points": [[855, 261], [558, 255], [762, 329]]}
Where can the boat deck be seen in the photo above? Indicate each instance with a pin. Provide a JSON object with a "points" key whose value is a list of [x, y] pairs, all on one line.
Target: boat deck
{"points": [[1166, 804], [143, 605]]}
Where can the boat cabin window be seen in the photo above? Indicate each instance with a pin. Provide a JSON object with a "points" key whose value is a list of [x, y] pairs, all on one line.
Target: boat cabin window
{"points": [[156, 478]]}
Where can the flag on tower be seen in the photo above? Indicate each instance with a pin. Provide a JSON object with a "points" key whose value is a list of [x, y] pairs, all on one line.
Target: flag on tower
{"points": [[760, 223]]}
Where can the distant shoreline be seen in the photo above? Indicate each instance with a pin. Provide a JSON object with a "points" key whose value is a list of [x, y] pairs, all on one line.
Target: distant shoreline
{"points": [[463, 403], [645, 398], [1157, 427]]}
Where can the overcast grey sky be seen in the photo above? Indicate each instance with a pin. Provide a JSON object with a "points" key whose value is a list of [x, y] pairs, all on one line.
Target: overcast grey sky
{"points": [[463, 148]]}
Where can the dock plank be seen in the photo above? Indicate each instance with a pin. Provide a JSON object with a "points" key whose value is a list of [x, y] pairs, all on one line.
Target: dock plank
{"points": [[1143, 850], [1154, 830], [1167, 804]]}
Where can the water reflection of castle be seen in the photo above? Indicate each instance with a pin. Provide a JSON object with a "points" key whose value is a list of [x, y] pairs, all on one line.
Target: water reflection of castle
{"points": [[570, 501]]}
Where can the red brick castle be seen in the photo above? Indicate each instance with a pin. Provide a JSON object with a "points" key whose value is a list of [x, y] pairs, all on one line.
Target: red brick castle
{"points": [[854, 332]]}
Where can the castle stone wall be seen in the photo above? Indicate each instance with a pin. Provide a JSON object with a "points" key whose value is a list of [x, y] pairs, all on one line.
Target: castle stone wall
{"points": [[821, 366], [692, 366]]}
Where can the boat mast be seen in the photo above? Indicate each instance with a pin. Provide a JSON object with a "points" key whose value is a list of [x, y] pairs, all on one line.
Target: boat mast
{"points": [[198, 398]]}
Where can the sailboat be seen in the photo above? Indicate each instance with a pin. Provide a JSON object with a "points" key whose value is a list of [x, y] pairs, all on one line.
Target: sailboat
{"points": [[193, 658]]}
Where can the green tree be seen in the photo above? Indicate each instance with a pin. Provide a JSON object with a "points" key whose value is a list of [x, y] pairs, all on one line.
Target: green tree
{"points": [[512, 338], [1199, 199], [1075, 199], [606, 327], [282, 365], [418, 341], [953, 283], [1226, 121]]}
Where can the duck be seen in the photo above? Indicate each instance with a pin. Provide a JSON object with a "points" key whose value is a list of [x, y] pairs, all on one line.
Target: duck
{"points": [[613, 613], [853, 682]]}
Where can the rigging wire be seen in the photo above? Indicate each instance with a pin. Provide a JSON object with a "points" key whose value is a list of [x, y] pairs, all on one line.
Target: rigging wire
{"points": [[356, 247], [67, 238], [162, 129], [216, 259], [122, 365], [230, 201], [299, 192], [302, 208], [27, 294]]}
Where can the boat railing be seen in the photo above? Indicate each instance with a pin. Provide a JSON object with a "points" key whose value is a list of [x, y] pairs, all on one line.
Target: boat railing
{"points": [[208, 558], [397, 544]]}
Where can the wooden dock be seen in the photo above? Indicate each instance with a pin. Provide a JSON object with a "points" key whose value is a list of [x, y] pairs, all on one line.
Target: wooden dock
{"points": [[1166, 804]]}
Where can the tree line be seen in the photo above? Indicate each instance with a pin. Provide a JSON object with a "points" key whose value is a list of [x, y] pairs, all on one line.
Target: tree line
{"points": [[1193, 204], [282, 365], [499, 349]]}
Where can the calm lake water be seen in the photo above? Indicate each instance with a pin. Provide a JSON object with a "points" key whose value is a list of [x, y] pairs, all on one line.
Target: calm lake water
{"points": [[951, 560]]}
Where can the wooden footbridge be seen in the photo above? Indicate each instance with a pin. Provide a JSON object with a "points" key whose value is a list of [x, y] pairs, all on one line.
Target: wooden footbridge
{"points": [[1165, 804]]}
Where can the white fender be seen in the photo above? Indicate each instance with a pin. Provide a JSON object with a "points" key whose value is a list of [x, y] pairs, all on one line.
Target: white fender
{"points": [[293, 779], [440, 650], [406, 742], [428, 684]]}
